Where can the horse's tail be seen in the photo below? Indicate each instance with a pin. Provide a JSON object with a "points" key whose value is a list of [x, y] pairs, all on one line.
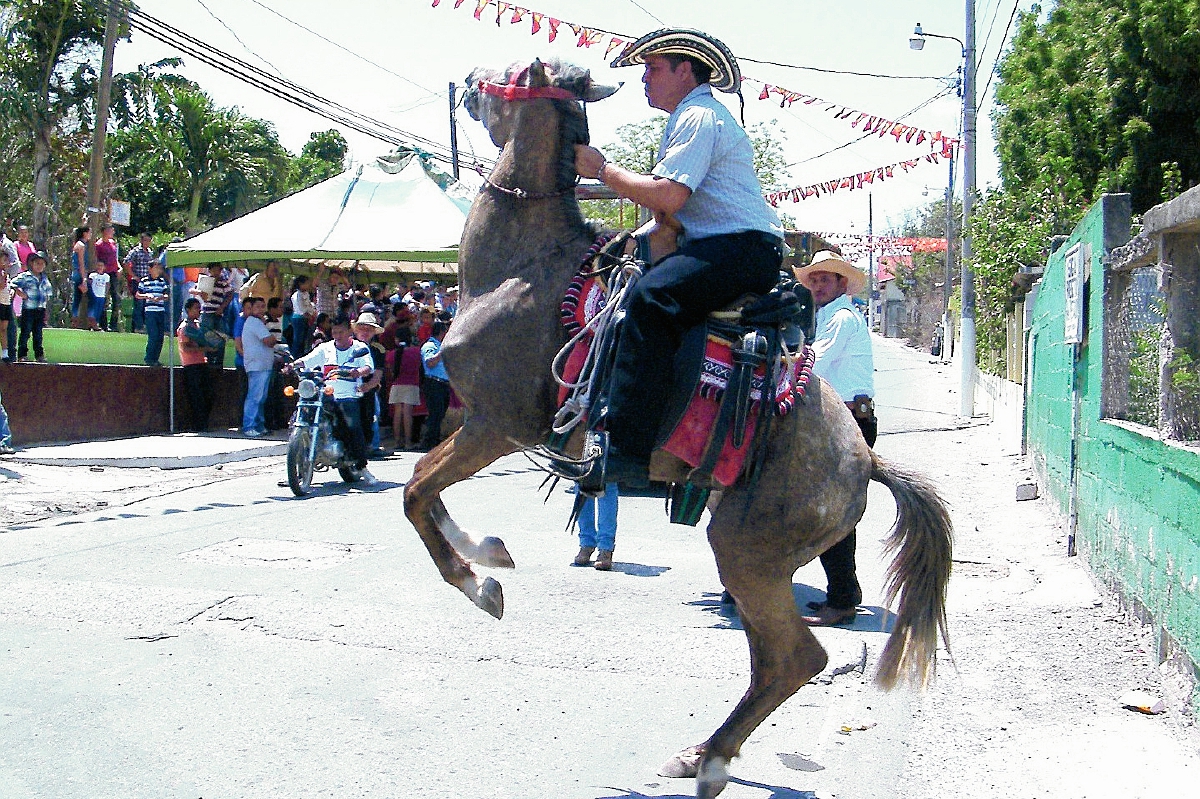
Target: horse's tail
{"points": [[920, 544]]}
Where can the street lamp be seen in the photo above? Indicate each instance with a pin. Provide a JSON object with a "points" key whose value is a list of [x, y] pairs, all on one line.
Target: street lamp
{"points": [[967, 278]]}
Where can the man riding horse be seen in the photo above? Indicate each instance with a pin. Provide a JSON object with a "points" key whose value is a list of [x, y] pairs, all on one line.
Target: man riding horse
{"points": [[703, 189]]}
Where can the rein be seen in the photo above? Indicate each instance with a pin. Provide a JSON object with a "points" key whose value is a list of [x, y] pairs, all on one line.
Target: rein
{"points": [[521, 194]]}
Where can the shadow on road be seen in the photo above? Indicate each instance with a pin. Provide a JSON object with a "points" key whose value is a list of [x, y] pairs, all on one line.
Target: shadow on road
{"points": [[777, 792], [639, 570], [870, 618]]}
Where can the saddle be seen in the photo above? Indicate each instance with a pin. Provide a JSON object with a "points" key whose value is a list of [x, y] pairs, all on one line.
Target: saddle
{"points": [[732, 374]]}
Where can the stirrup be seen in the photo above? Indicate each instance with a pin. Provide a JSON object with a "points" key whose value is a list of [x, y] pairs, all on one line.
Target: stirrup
{"points": [[579, 470]]}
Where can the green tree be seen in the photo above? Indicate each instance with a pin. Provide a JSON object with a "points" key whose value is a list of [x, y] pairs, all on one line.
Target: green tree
{"points": [[46, 80], [1097, 97], [636, 149], [322, 157]]}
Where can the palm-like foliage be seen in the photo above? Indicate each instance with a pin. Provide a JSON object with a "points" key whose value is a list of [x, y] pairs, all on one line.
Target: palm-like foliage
{"points": [[45, 77]]}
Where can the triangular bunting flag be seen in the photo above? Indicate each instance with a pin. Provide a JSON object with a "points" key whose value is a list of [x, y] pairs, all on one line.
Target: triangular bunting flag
{"points": [[482, 4], [588, 37], [613, 44], [536, 21], [554, 23]]}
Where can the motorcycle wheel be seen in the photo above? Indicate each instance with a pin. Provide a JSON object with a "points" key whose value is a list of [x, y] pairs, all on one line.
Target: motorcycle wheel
{"points": [[348, 474], [299, 464]]}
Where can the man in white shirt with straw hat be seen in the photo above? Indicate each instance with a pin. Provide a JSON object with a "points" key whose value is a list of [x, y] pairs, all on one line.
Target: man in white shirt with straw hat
{"points": [[843, 358], [704, 186]]}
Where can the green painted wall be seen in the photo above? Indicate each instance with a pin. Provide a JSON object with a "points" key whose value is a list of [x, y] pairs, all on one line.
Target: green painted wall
{"points": [[1138, 497]]}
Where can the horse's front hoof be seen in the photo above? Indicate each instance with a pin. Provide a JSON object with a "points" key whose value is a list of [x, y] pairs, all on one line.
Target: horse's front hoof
{"points": [[686, 764], [493, 553], [713, 777], [490, 597]]}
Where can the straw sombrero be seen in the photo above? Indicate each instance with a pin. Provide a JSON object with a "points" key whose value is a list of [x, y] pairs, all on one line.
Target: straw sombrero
{"points": [[726, 76], [368, 320], [829, 261]]}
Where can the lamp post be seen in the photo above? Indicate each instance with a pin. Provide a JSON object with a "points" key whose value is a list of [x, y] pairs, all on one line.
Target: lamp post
{"points": [[967, 276]]}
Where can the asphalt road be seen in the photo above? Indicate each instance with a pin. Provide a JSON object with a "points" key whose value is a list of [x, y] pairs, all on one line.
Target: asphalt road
{"points": [[228, 640]]}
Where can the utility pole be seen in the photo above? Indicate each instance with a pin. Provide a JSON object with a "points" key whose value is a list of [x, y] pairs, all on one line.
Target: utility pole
{"points": [[871, 320], [967, 379], [453, 135], [947, 333], [103, 95], [95, 213]]}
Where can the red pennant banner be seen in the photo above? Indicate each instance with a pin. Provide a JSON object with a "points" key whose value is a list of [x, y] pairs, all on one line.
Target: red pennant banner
{"points": [[855, 181], [871, 123]]}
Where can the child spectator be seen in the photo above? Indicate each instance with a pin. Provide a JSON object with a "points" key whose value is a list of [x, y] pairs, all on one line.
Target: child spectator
{"points": [[153, 293], [303, 314], [97, 295], [322, 331], [33, 287], [6, 313]]}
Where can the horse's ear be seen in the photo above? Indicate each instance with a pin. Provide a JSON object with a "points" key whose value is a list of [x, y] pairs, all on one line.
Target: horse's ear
{"points": [[537, 74], [598, 91]]}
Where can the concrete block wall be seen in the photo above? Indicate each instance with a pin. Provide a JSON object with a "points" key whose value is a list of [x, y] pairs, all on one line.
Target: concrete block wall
{"points": [[71, 402], [1138, 496]]}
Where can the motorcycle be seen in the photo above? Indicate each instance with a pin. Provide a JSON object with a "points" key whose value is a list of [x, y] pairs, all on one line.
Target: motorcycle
{"points": [[312, 444]]}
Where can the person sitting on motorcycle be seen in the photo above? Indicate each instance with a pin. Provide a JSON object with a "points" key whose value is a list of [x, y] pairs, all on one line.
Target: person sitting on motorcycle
{"points": [[344, 361]]}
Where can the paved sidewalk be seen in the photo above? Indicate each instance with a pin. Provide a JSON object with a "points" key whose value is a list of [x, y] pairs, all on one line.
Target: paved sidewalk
{"points": [[178, 451]]}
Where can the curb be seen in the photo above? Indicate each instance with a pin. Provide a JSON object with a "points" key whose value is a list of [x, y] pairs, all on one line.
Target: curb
{"points": [[203, 452]]}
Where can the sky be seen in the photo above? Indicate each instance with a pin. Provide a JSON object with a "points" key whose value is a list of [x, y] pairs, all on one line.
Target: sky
{"points": [[394, 60]]}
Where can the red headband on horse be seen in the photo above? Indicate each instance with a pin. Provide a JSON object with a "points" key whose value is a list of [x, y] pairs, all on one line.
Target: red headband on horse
{"points": [[514, 91]]}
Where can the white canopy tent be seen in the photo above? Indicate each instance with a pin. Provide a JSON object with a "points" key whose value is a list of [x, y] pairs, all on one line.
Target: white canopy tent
{"points": [[392, 216]]}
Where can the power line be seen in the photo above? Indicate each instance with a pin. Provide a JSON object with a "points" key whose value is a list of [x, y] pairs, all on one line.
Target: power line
{"points": [[646, 12], [999, 52], [842, 71], [348, 51], [283, 88], [233, 33]]}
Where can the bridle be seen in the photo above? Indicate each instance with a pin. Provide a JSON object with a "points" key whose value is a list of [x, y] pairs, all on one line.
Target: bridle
{"points": [[510, 92]]}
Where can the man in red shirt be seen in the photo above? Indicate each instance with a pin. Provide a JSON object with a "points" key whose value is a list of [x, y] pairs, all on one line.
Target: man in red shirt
{"points": [[106, 253]]}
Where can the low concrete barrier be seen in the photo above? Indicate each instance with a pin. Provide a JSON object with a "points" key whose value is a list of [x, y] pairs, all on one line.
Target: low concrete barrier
{"points": [[75, 402]]}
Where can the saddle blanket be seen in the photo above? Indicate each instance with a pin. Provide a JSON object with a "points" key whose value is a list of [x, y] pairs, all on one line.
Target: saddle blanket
{"points": [[689, 437]]}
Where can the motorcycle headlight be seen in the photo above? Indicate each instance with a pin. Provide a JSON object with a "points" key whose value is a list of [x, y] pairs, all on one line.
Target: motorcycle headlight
{"points": [[307, 389]]}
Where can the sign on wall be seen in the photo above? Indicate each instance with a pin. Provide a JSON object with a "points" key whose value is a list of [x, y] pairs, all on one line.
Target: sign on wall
{"points": [[1076, 276]]}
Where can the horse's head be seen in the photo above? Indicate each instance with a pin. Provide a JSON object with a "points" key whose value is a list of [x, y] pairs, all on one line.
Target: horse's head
{"points": [[492, 95]]}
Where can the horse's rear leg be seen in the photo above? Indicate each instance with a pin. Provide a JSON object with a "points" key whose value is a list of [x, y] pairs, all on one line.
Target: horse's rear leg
{"points": [[784, 655], [458, 457]]}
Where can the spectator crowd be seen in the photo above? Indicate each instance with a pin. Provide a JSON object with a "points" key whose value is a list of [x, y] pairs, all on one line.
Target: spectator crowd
{"points": [[268, 318]]}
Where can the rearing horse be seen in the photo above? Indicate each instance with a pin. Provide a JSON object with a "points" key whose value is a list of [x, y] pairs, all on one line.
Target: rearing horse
{"points": [[523, 242]]}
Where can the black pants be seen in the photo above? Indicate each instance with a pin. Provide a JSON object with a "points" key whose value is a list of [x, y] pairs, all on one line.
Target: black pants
{"points": [[32, 322], [677, 294], [274, 415], [198, 384], [348, 429], [437, 401], [838, 561], [366, 410]]}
